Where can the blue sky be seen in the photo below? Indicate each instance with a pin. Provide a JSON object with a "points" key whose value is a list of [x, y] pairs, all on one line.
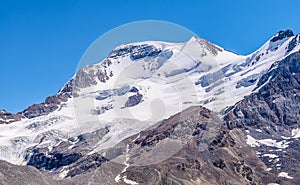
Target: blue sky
{"points": [[41, 42]]}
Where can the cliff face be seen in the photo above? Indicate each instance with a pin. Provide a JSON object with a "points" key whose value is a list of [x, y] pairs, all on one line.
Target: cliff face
{"points": [[271, 117], [277, 101]]}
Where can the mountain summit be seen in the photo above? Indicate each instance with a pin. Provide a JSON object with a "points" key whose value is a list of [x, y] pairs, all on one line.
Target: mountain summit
{"points": [[168, 110]]}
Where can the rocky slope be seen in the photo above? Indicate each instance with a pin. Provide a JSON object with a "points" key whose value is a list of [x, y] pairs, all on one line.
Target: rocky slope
{"points": [[271, 117], [7, 117]]}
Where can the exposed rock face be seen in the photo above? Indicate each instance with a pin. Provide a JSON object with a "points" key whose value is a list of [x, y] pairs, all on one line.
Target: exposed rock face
{"points": [[282, 34], [277, 101], [134, 100], [135, 51], [51, 104], [272, 113], [71, 155], [134, 90], [86, 164], [7, 117], [294, 42], [52, 160]]}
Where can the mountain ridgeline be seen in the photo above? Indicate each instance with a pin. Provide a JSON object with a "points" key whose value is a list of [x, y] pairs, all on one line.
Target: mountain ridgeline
{"points": [[165, 113]]}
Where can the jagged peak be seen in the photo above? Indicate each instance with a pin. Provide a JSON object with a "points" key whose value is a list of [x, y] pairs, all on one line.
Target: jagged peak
{"points": [[282, 34]]}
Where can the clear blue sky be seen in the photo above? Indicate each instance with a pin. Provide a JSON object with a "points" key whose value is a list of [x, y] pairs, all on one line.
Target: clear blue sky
{"points": [[41, 42]]}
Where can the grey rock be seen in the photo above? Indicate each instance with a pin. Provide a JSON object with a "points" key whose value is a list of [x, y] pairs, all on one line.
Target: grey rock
{"points": [[293, 43], [281, 35], [101, 109], [135, 52], [274, 109], [7, 117], [134, 100], [51, 161]]}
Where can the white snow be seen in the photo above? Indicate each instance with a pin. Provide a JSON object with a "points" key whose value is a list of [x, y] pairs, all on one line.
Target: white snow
{"points": [[268, 142], [63, 173], [270, 155], [252, 141], [296, 133], [276, 160], [285, 175], [119, 177], [128, 181]]}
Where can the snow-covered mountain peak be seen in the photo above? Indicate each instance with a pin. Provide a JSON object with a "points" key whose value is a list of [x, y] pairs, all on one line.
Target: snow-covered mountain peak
{"points": [[275, 49], [137, 85]]}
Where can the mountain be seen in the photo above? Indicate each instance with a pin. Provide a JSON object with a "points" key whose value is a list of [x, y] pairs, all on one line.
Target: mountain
{"points": [[167, 113]]}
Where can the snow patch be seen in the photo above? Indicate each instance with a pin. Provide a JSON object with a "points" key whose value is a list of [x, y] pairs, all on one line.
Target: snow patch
{"points": [[128, 181], [63, 173], [270, 155], [258, 130], [268, 142], [118, 178], [285, 175], [296, 133], [252, 141]]}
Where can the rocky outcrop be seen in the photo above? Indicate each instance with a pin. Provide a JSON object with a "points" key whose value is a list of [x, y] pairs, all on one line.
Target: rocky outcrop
{"points": [[282, 34], [51, 104], [101, 109], [135, 51], [53, 160], [86, 164], [271, 114], [293, 43], [133, 100], [276, 103], [7, 117]]}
